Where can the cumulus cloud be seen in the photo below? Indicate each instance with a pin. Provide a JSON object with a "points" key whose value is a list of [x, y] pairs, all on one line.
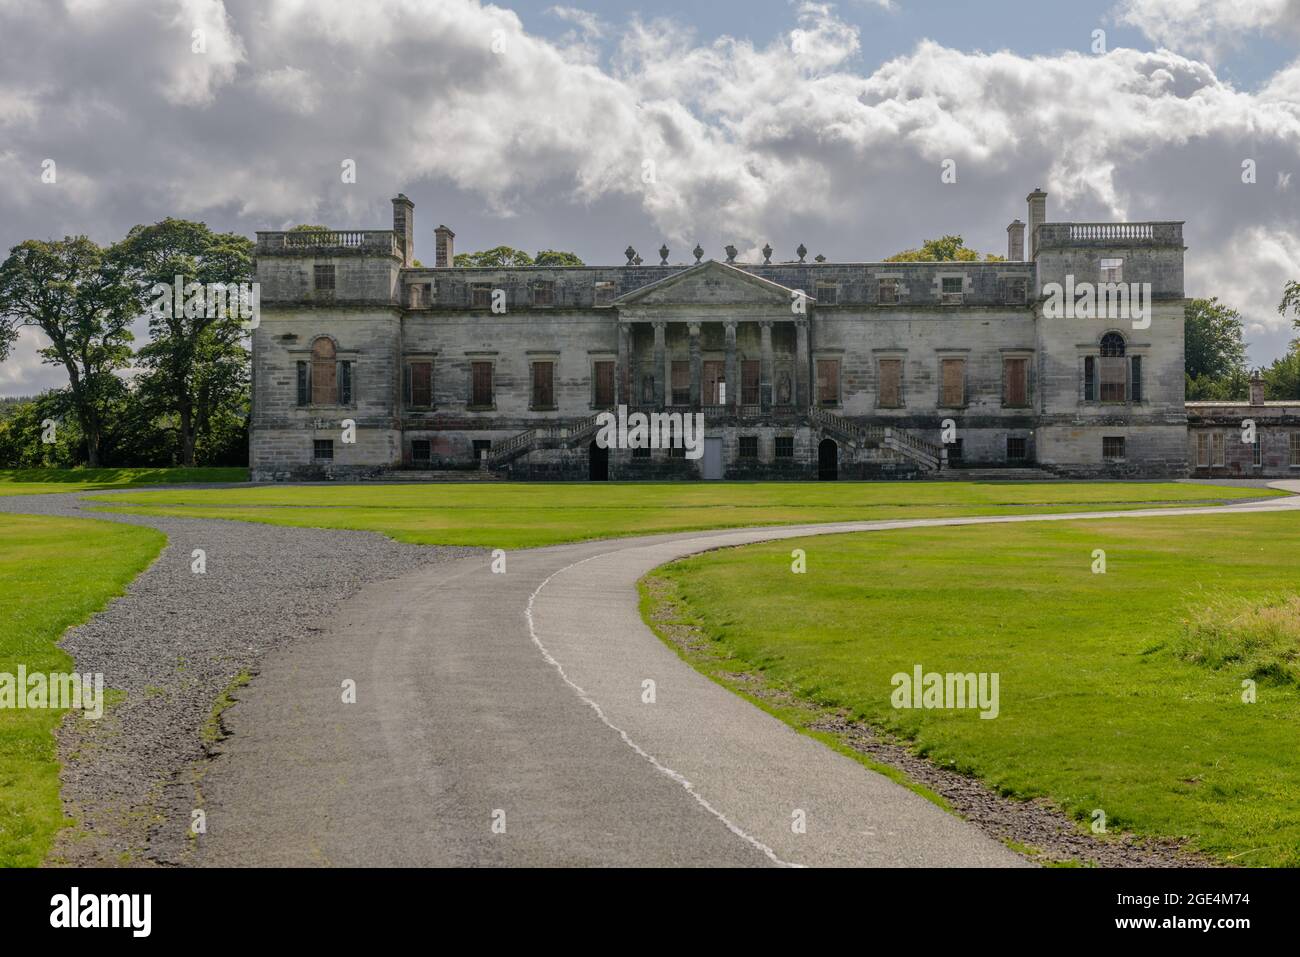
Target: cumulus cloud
{"points": [[668, 136], [1209, 28]]}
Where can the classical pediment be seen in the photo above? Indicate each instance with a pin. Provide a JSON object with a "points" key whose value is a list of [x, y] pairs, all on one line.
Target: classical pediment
{"points": [[710, 284]]}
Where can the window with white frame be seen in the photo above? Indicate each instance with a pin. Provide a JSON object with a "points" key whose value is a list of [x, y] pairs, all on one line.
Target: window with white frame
{"points": [[1112, 270]]}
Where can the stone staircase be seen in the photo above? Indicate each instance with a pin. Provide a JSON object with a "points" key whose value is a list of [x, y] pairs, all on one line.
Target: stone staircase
{"points": [[927, 455], [563, 435]]}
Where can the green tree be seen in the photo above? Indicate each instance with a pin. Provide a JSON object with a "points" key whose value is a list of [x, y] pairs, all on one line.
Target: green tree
{"points": [[1282, 377], [1214, 351], [75, 294], [501, 257], [944, 249], [195, 363], [553, 257]]}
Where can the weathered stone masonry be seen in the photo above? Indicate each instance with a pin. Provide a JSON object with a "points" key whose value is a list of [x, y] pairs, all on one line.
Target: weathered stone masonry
{"points": [[800, 368]]}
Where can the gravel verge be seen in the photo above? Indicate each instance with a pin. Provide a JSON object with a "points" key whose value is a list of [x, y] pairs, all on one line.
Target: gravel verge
{"points": [[175, 643]]}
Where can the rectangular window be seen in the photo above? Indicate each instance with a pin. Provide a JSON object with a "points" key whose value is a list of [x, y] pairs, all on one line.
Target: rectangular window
{"points": [[951, 289], [1112, 270], [323, 450], [1202, 450], [419, 385], [828, 381], [606, 293], [544, 293], [1015, 291], [543, 385], [890, 392], [1090, 379], [1114, 378], [1295, 450], [323, 278], [345, 383], [888, 292], [1015, 382], [324, 382], [827, 294], [421, 450], [953, 376], [304, 384], [1135, 382], [954, 452], [480, 295], [1112, 447], [1257, 452], [1015, 448], [604, 374], [749, 446], [713, 372], [1216, 449], [681, 372], [480, 384], [749, 372], [480, 446], [784, 447]]}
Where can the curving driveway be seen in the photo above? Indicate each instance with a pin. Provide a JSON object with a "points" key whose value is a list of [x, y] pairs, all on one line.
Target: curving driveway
{"points": [[515, 700]]}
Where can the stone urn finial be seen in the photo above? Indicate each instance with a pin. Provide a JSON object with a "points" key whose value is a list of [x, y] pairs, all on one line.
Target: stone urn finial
{"points": [[663, 255], [637, 261], [802, 251], [767, 254], [630, 253], [731, 254], [820, 258], [699, 253]]}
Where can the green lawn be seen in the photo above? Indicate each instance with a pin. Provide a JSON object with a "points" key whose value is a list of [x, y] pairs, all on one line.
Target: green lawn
{"points": [[524, 515], [54, 573], [37, 481], [1120, 691]]}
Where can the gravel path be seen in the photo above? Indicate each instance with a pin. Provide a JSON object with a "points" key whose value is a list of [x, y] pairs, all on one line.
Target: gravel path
{"points": [[174, 642]]}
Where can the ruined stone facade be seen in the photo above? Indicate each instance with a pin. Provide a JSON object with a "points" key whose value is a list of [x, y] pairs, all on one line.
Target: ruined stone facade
{"points": [[1254, 439], [801, 369]]}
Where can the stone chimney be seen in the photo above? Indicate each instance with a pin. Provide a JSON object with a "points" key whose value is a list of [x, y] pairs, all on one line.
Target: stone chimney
{"points": [[1256, 389], [1037, 216], [404, 226], [446, 252], [1016, 241]]}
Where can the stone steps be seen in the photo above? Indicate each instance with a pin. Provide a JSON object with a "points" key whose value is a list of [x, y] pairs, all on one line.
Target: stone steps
{"points": [[439, 475], [993, 474]]}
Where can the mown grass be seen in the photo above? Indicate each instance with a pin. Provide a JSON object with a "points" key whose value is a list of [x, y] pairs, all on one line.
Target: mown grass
{"points": [[54, 573], [38, 481], [524, 515], [1121, 691]]}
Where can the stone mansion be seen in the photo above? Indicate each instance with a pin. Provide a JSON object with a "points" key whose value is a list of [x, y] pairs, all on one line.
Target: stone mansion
{"points": [[366, 364]]}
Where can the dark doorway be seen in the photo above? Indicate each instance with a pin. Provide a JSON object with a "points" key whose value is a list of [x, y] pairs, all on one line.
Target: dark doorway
{"points": [[828, 461], [598, 463]]}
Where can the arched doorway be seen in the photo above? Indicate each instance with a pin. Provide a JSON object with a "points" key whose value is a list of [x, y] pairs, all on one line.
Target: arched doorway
{"points": [[597, 462], [828, 460]]}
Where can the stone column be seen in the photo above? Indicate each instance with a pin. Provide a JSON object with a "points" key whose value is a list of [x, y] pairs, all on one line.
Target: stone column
{"points": [[732, 378], [802, 370], [661, 387], [765, 366], [623, 377], [697, 368]]}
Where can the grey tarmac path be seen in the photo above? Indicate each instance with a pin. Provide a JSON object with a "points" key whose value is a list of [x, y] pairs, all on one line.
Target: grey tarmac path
{"points": [[520, 695]]}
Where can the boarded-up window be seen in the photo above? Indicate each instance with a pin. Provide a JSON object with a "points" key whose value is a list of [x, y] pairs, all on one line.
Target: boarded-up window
{"points": [[954, 382], [749, 373], [543, 385], [604, 370], [480, 383], [890, 394], [419, 384], [544, 293], [681, 385], [1014, 291], [324, 382], [713, 373], [828, 381], [1015, 384]]}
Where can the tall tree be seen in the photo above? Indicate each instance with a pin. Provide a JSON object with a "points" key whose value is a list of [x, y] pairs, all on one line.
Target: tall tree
{"points": [[75, 294], [943, 249], [1214, 351], [195, 361]]}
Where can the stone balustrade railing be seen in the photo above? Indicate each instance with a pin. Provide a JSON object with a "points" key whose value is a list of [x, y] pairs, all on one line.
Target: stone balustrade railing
{"points": [[1066, 234]]}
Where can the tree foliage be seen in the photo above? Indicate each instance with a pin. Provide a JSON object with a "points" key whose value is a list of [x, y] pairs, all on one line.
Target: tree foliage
{"points": [[943, 249]]}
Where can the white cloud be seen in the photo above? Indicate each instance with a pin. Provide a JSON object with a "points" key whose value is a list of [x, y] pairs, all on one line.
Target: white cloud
{"points": [[1209, 28]]}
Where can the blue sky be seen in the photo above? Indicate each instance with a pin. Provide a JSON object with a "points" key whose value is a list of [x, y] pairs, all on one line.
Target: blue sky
{"points": [[781, 121]]}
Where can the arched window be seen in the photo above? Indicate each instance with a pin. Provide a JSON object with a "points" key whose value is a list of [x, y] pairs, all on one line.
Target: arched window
{"points": [[1114, 369], [1112, 346], [324, 384]]}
